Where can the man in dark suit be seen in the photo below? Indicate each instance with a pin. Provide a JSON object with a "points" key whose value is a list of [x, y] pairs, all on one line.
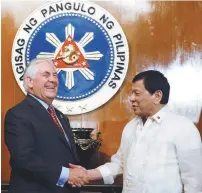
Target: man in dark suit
{"points": [[39, 138]]}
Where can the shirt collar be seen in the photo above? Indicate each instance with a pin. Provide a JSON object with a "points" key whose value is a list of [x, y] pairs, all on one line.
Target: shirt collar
{"points": [[45, 105], [158, 117]]}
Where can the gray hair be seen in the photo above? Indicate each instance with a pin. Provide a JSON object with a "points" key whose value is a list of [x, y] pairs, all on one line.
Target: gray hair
{"points": [[32, 69]]}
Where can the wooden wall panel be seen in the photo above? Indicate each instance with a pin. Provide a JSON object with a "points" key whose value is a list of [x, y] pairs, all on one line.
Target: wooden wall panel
{"points": [[11, 93], [155, 31]]}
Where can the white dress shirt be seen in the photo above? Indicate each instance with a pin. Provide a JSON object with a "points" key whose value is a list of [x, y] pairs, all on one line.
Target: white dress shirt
{"points": [[162, 156]]}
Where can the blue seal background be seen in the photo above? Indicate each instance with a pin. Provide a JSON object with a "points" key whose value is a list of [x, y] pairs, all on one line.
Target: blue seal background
{"points": [[101, 68]]}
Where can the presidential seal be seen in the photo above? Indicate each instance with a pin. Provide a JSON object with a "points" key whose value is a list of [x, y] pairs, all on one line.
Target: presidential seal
{"points": [[87, 45]]}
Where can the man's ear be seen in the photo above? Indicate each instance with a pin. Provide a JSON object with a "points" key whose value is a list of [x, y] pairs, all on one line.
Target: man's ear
{"points": [[29, 82], [158, 96]]}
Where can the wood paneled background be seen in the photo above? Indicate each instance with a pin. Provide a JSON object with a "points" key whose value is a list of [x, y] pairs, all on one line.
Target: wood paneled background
{"points": [[161, 35]]}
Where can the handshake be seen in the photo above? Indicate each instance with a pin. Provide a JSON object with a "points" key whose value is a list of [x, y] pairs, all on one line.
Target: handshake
{"points": [[78, 176]]}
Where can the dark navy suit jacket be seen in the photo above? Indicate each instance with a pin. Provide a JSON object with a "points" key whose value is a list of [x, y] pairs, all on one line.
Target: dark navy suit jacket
{"points": [[38, 149]]}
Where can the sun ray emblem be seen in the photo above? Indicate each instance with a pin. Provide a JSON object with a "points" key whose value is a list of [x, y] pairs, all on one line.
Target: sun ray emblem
{"points": [[70, 55], [86, 44]]}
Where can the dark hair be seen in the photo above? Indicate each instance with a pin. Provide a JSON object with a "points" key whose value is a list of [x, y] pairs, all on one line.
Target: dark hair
{"points": [[153, 81]]}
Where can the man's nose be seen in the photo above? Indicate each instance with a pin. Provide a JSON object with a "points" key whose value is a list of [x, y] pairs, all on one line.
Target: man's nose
{"points": [[132, 97], [53, 78]]}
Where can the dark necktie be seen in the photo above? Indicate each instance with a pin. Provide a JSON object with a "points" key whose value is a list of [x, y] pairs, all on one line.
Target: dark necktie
{"points": [[54, 117]]}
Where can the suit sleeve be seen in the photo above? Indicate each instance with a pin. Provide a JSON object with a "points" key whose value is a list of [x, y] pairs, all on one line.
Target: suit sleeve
{"points": [[22, 147]]}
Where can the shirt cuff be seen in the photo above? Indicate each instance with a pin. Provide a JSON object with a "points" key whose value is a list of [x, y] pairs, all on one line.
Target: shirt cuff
{"points": [[64, 176], [106, 174]]}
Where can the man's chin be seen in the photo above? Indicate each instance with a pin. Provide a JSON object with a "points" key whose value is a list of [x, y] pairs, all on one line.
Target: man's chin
{"points": [[136, 111], [51, 97]]}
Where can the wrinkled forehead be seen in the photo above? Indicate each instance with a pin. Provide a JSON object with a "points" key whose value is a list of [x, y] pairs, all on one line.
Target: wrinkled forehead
{"points": [[46, 66]]}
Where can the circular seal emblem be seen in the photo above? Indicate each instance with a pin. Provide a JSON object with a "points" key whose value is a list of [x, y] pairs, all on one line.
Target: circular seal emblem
{"points": [[87, 45]]}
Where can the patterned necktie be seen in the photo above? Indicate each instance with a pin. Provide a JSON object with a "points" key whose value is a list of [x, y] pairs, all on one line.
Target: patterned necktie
{"points": [[54, 117]]}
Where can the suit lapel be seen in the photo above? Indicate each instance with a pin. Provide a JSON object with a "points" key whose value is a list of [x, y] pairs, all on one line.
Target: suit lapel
{"points": [[64, 125], [68, 131], [44, 116]]}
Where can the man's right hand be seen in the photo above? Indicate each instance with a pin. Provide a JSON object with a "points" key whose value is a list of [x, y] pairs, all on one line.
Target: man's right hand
{"points": [[78, 176]]}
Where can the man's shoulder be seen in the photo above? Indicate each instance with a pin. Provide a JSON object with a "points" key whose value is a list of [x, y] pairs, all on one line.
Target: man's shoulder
{"points": [[21, 109], [179, 123], [19, 106], [177, 117], [183, 128]]}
